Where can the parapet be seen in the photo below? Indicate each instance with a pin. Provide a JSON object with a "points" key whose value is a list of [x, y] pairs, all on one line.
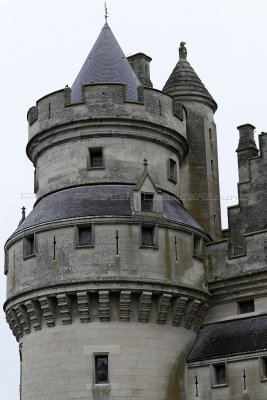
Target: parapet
{"points": [[223, 262], [106, 101]]}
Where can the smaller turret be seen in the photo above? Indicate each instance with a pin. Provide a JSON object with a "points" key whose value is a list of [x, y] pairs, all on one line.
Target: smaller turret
{"points": [[199, 171]]}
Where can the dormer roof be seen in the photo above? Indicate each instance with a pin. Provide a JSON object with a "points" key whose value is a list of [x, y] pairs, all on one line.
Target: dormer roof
{"points": [[184, 83], [106, 63]]}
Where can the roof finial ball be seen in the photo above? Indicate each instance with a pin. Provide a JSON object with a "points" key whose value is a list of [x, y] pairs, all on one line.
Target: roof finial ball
{"points": [[182, 51]]}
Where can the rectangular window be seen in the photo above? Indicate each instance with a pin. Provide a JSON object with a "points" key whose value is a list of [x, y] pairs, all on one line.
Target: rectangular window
{"points": [[146, 202], [96, 158], [210, 133], [198, 247], [246, 306], [148, 236], [29, 246], [264, 368], [101, 368], [211, 165], [85, 236], [172, 170], [219, 374]]}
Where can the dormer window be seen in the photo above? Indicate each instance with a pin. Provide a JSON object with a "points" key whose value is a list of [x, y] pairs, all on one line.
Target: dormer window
{"points": [[147, 202], [96, 158]]}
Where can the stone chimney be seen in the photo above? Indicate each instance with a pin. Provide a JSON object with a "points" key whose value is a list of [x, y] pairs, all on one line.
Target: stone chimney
{"points": [[140, 63], [246, 149]]}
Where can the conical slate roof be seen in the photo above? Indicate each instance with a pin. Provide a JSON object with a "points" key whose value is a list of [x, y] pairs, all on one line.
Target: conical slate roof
{"points": [[185, 84], [106, 62]]}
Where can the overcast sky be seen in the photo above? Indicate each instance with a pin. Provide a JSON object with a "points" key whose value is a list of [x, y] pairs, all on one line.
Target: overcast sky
{"points": [[44, 44]]}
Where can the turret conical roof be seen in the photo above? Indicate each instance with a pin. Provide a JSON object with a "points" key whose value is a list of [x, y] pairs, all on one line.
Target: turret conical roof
{"points": [[106, 62], [185, 84]]}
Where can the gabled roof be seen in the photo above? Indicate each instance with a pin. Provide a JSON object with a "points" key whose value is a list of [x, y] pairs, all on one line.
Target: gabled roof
{"points": [[185, 84], [106, 62]]}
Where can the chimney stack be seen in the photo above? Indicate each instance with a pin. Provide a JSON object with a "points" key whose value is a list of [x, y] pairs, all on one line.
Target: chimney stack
{"points": [[140, 63], [246, 149]]}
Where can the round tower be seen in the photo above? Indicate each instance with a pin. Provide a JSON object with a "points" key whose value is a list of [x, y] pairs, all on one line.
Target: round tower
{"points": [[200, 190], [105, 279]]}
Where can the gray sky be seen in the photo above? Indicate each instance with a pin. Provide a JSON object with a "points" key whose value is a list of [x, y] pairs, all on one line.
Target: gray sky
{"points": [[43, 45]]}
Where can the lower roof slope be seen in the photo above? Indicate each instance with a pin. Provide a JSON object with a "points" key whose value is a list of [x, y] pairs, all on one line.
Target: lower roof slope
{"points": [[99, 201], [225, 339]]}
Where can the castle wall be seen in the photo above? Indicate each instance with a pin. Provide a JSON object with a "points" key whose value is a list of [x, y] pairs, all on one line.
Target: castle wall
{"points": [[145, 360], [67, 164], [255, 385], [99, 262]]}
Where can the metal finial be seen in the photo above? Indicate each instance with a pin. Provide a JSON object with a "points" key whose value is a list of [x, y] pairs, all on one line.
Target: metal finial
{"points": [[23, 213], [182, 51], [106, 12]]}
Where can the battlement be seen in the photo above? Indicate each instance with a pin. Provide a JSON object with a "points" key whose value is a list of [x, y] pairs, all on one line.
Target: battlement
{"points": [[106, 100], [248, 215], [224, 260]]}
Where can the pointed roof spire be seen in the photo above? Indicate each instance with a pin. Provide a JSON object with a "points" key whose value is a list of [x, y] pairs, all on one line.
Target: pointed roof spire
{"points": [[106, 62], [184, 83]]}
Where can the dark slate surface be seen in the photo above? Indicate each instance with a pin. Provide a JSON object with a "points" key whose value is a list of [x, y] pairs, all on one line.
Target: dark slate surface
{"points": [[173, 210], [99, 200], [230, 338], [106, 62], [184, 81], [82, 201]]}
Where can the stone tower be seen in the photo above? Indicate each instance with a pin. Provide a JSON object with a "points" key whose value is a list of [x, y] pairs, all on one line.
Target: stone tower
{"points": [[199, 188], [106, 286]]}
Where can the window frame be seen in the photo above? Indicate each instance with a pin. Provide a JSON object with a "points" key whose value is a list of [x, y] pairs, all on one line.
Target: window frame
{"points": [[251, 300], [77, 237], [90, 151], [150, 194], [95, 356], [154, 233], [214, 383], [173, 179], [198, 246], [25, 245], [263, 368]]}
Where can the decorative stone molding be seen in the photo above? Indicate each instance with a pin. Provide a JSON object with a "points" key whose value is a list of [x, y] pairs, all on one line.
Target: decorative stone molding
{"points": [[14, 325], [64, 307], [193, 309], [83, 306], [48, 311], [145, 306], [125, 305], [164, 304], [201, 316], [23, 318], [34, 314], [178, 310], [170, 308], [104, 305]]}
